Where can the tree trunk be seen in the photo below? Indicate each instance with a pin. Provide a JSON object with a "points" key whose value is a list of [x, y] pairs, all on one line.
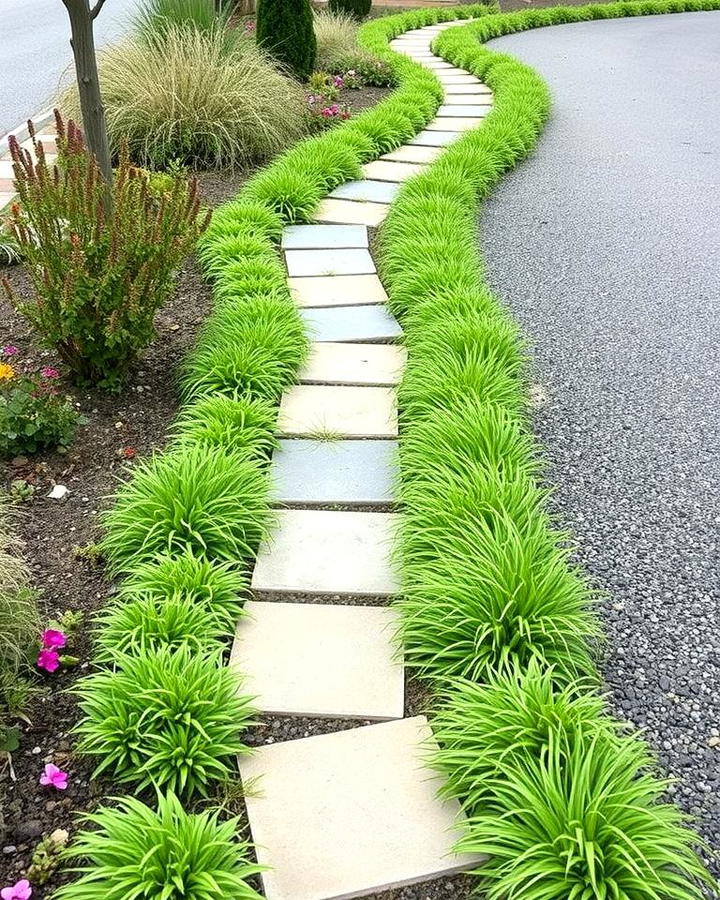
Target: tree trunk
{"points": [[93, 112]]}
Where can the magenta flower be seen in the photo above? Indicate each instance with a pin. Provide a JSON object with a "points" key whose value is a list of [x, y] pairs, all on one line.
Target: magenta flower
{"points": [[21, 890], [329, 111], [49, 372], [54, 777], [48, 660], [52, 639], [10, 350], [338, 82]]}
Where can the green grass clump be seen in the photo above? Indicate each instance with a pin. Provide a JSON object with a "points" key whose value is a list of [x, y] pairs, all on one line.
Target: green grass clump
{"points": [[153, 18], [148, 623], [192, 95], [170, 717], [134, 851], [200, 499], [215, 586], [585, 820], [253, 346], [242, 424]]}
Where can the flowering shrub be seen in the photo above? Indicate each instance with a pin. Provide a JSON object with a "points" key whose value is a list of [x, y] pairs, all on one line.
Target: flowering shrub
{"points": [[101, 260], [322, 106], [34, 413]]}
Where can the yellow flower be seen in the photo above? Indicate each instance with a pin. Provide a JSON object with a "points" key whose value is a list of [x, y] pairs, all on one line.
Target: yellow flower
{"points": [[6, 372]]}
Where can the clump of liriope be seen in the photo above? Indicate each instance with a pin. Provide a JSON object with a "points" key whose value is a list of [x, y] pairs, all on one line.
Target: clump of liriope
{"points": [[219, 587], [169, 717], [199, 499], [135, 851], [244, 424]]}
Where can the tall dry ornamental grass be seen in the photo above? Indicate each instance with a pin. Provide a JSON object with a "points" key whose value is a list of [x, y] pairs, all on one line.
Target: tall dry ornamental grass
{"points": [[196, 97], [337, 38]]}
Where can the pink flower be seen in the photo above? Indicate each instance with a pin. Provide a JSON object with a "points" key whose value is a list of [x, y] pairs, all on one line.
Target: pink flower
{"points": [[52, 639], [48, 660], [54, 777], [250, 25], [10, 350], [329, 111], [21, 890], [49, 372], [338, 82]]}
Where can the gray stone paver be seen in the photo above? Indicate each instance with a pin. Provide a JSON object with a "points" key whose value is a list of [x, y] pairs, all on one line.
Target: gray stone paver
{"points": [[331, 362], [337, 290], [367, 189], [326, 473], [351, 323], [433, 138]]}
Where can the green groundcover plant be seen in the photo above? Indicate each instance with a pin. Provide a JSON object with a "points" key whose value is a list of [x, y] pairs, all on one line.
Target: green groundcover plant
{"points": [[135, 852], [168, 717]]}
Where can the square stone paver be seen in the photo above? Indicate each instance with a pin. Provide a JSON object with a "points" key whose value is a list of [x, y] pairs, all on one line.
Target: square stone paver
{"points": [[367, 189], [475, 93], [354, 261], [452, 123], [336, 363], [364, 324], [310, 410], [337, 290], [414, 154], [474, 110], [392, 171], [325, 473], [321, 551], [350, 813], [433, 138], [320, 659], [311, 237], [458, 79], [354, 212]]}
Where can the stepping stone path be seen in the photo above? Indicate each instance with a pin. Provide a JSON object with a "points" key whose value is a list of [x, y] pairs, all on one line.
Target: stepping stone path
{"points": [[351, 812]]}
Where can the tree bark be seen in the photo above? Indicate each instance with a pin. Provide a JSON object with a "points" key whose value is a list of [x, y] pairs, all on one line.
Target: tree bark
{"points": [[93, 112]]}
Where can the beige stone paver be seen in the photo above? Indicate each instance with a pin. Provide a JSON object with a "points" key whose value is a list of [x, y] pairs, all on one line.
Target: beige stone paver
{"points": [[337, 290], [329, 261], [353, 212], [414, 154], [309, 410], [350, 813], [320, 551], [320, 659], [360, 364], [452, 123], [383, 170]]}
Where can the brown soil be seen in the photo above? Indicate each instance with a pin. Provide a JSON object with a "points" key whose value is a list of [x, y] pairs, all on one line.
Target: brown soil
{"points": [[133, 423]]}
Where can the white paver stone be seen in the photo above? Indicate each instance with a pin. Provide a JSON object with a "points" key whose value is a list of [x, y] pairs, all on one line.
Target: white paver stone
{"points": [[350, 813], [355, 261], [310, 237], [309, 410], [383, 170], [361, 364], [328, 552], [351, 212], [320, 659], [337, 290]]}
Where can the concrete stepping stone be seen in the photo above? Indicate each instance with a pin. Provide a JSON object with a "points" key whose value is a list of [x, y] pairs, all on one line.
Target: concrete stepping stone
{"points": [[458, 79], [329, 262], [441, 64], [471, 91], [414, 154], [320, 659], [315, 410], [335, 363], [350, 813], [476, 110], [337, 290], [321, 552], [452, 123], [311, 237], [433, 138], [367, 189], [327, 473], [352, 212], [392, 171], [363, 324]]}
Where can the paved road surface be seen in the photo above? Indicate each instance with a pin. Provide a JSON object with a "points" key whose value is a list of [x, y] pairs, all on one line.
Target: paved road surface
{"points": [[35, 51], [606, 245]]}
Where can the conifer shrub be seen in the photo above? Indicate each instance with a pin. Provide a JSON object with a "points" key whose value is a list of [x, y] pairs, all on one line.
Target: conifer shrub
{"points": [[285, 29], [356, 8]]}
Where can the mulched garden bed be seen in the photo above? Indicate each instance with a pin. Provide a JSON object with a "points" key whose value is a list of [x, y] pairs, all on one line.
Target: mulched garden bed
{"points": [[120, 429]]}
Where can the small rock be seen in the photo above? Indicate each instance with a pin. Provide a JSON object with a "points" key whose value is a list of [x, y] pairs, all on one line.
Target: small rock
{"points": [[28, 831], [20, 461], [713, 741], [9, 849], [664, 683], [59, 492], [36, 751], [60, 836]]}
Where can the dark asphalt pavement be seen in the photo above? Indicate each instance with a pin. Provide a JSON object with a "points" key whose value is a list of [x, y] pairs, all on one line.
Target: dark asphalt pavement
{"points": [[35, 51], [606, 247]]}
